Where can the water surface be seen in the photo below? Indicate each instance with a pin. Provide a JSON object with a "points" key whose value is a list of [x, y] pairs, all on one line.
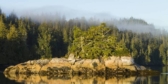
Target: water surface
{"points": [[86, 79]]}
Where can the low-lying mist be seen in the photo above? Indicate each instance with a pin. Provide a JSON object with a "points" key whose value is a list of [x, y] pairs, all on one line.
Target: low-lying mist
{"points": [[121, 24], [58, 13]]}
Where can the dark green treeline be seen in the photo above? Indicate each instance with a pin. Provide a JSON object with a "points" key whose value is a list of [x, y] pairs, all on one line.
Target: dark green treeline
{"points": [[23, 39]]}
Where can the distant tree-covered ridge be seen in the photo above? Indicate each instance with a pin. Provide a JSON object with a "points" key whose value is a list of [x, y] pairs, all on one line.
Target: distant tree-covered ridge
{"points": [[23, 39]]}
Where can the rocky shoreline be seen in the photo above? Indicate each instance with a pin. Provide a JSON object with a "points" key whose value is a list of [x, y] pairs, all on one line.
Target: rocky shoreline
{"points": [[109, 66]]}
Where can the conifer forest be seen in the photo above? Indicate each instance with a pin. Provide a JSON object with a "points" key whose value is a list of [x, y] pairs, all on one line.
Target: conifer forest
{"points": [[22, 39]]}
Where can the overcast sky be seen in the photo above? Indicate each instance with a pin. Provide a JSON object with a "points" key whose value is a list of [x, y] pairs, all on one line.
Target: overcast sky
{"points": [[153, 11]]}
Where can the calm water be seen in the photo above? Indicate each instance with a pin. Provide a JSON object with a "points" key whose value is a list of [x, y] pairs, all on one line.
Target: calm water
{"points": [[83, 79]]}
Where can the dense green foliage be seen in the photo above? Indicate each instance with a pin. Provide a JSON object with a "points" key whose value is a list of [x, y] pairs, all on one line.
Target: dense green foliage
{"points": [[44, 39], [23, 39], [95, 42]]}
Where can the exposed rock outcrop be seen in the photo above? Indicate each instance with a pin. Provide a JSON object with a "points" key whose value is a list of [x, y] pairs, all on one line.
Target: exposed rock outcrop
{"points": [[111, 65]]}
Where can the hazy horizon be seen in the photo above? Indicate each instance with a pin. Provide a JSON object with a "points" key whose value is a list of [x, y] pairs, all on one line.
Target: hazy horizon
{"points": [[153, 12]]}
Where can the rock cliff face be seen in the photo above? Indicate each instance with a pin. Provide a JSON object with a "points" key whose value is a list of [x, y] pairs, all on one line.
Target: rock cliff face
{"points": [[111, 65]]}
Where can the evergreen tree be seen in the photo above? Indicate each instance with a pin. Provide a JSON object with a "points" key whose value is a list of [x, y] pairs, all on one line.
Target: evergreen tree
{"points": [[12, 45], [44, 38], [95, 42], [22, 37], [3, 29]]}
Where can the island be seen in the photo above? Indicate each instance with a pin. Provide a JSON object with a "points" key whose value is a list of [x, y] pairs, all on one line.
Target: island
{"points": [[112, 65], [79, 46]]}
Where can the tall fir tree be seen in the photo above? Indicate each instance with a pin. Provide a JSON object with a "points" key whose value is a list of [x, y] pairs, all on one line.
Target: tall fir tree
{"points": [[44, 38]]}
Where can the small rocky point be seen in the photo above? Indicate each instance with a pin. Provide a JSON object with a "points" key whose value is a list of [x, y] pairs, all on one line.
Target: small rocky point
{"points": [[113, 65]]}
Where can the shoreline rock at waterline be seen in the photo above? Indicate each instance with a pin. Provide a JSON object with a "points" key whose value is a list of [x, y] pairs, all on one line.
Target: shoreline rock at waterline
{"points": [[110, 66]]}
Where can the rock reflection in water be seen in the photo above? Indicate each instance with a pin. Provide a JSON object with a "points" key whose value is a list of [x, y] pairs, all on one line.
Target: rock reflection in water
{"points": [[68, 79]]}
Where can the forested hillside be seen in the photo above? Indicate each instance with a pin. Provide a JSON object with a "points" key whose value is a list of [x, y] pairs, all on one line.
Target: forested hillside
{"points": [[23, 39]]}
